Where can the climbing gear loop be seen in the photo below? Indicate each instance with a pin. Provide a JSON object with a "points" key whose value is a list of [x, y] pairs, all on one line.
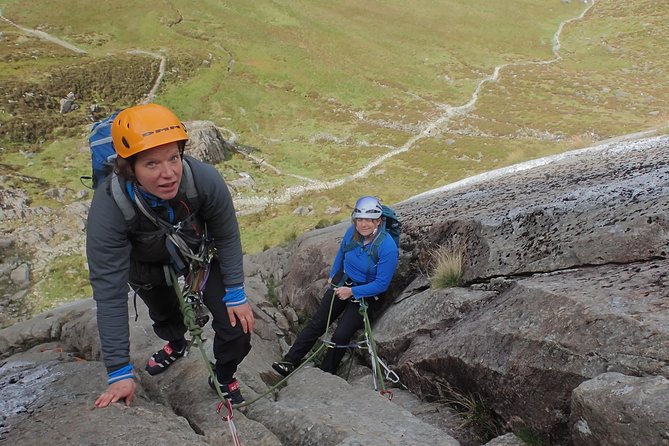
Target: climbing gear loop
{"points": [[228, 418]]}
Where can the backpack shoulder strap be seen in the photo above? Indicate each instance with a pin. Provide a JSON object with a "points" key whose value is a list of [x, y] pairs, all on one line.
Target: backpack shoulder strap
{"points": [[189, 182], [121, 199], [374, 249]]}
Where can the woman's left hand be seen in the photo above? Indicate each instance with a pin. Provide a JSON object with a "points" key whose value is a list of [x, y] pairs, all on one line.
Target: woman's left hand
{"points": [[344, 292], [245, 315]]}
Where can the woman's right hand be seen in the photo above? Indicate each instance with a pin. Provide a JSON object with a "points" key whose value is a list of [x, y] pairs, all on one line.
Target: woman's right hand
{"points": [[343, 292], [120, 390]]}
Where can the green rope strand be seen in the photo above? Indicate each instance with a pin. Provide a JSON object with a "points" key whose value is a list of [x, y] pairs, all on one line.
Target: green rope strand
{"points": [[195, 331], [372, 344], [305, 362]]}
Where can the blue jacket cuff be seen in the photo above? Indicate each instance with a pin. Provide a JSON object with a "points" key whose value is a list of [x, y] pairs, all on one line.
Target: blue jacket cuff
{"points": [[120, 374], [235, 296]]}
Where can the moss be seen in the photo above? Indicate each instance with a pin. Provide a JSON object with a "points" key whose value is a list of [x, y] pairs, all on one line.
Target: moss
{"points": [[66, 280]]}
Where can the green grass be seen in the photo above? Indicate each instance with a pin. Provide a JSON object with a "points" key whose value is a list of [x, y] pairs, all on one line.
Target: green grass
{"points": [[476, 414], [66, 280], [59, 164], [271, 284], [533, 438]]}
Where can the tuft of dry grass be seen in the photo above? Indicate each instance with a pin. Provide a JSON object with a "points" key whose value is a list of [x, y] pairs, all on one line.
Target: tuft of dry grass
{"points": [[448, 268], [582, 140]]}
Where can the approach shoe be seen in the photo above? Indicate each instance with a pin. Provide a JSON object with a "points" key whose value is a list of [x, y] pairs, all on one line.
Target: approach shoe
{"points": [[283, 368], [163, 358], [230, 391]]}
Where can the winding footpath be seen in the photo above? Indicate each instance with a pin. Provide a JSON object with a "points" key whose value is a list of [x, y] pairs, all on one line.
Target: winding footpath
{"points": [[44, 36], [429, 129], [151, 95]]}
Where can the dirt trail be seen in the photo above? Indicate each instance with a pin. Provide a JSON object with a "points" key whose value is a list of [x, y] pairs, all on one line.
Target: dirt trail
{"points": [[151, 95], [44, 36], [429, 129]]}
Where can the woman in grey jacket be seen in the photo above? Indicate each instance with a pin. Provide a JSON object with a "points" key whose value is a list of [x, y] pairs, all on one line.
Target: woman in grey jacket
{"points": [[152, 173]]}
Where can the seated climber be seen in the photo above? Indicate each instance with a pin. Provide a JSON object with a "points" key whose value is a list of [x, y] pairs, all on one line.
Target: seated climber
{"points": [[362, 269]]}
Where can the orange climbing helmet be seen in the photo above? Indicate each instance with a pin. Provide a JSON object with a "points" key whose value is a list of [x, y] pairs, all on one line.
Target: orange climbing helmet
{"points": [[144, 127]]}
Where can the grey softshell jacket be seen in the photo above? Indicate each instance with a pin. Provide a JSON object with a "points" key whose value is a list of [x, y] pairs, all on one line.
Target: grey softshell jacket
{"points": [[108, 249]]}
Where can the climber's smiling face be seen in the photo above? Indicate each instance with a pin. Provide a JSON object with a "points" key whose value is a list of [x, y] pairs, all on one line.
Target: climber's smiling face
{"points": [[159, 170], [367, 226]]}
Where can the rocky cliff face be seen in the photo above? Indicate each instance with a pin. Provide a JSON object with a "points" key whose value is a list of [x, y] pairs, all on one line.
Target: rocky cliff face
{"points": [[561, 328]]}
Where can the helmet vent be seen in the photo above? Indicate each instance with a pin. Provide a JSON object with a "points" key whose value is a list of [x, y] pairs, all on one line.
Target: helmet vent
{"points": [[125, 142]]}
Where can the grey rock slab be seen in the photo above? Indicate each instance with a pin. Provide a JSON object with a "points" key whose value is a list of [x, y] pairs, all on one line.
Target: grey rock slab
{"points": [[317, 408]]}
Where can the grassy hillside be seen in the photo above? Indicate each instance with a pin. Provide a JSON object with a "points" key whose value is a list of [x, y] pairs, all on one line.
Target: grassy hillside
{"points": [[320, 89]]}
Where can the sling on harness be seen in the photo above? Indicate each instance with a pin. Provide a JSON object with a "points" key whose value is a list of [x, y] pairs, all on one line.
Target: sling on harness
{"points": [[377, 363], [369, 344]]}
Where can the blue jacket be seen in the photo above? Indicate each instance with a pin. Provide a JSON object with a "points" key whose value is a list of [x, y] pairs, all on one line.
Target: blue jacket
{"points": [[369, 279]]}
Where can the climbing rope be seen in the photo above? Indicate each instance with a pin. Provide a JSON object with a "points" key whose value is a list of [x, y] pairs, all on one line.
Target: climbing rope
{"points": [[304, 363], [197, 276], [377, 363], [192, 292]]}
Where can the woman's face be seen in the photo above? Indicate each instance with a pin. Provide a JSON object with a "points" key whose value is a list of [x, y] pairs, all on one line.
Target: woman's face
{"points": [[367, 226], [159, 170]]}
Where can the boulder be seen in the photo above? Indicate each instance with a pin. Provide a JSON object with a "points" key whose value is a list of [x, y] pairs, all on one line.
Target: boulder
{"points": [[567, 271], [206, 143], [318, 404], [614, 409]]}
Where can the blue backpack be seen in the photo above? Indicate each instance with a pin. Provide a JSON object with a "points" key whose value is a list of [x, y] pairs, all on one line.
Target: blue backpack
{"points": [[102, 150], [391, 227]]}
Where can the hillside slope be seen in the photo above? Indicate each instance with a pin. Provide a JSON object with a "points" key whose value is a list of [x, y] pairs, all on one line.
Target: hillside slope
{"points": [[324, 102]]}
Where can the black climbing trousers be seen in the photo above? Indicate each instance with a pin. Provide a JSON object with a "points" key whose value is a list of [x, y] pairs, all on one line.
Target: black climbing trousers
{"points": [[350, 321], [231, 344]]}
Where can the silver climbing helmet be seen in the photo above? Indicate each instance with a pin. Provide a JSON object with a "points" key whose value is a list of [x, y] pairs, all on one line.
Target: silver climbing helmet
{"points": [[367, 207]]}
